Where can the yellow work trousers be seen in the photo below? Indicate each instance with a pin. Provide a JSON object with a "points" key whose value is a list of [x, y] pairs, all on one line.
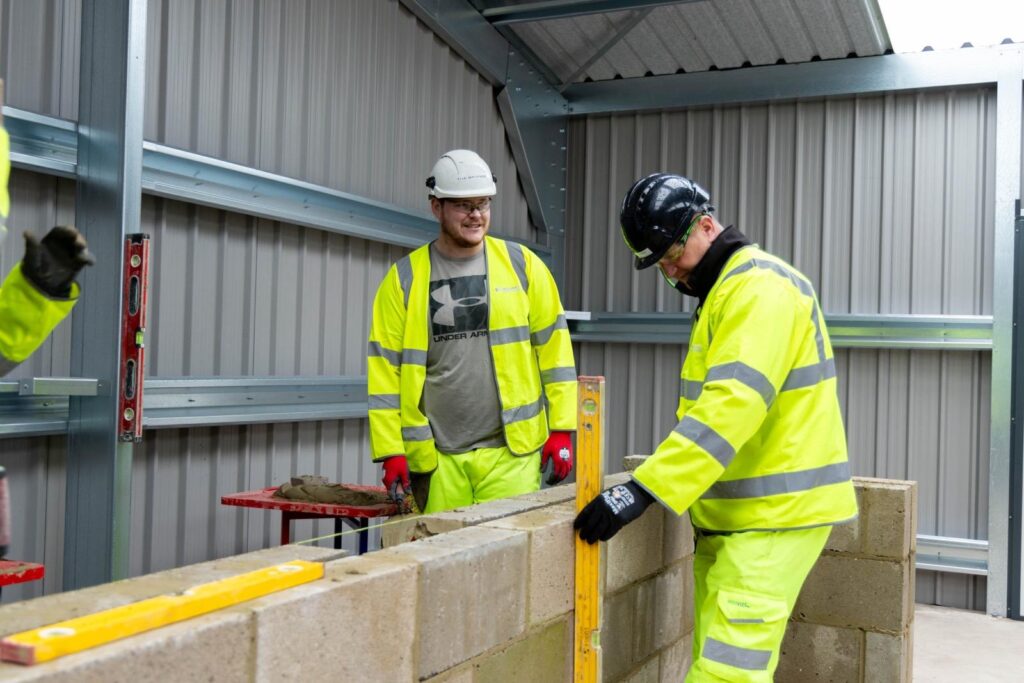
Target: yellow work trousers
{"points": [[483, 474], [744, 590]]}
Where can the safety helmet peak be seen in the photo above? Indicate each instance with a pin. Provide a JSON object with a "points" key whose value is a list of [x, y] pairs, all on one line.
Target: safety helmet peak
{"points": [[656, 212], [461, 173]]}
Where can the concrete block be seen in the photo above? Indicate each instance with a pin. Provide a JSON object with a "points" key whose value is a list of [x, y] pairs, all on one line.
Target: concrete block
{"points": [[214, 647], [618, 624], [544, 655], [631, 462], [358, 623], [888, 527], [425, 526], [29, 614], [636, 551], [460, 674], [472, 588], [648, 673], [676, 660], [813, 652], [673, 604], [846, 538], [551, 559], [857, 592], [551, 496], [678, 536], [645, 617], [415, 527], [887, 657]]}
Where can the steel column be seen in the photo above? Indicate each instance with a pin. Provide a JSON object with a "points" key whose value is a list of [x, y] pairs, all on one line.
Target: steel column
{"points": [[1007, 191], [108, 206]]}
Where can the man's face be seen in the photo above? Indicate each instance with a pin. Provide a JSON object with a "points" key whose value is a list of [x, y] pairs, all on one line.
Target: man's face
{"points": [[464, 222], [682, 257]]}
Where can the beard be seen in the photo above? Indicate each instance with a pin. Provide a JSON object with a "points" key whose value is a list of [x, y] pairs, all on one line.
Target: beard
{"points": [[453, 231]]}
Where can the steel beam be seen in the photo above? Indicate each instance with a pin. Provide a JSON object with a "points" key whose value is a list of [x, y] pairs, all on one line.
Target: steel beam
{"points": [[564, 9], [952, 555], [1008, 282], [837, 77], [939, 332], [108, 206], [533, 110]]}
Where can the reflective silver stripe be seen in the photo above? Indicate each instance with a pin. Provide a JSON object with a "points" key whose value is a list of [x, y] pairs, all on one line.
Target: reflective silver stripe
{"points": [[515, 253], [739, 657], [542, 337], [552, 375], [509, 335], [417, 433], [378, 401], [690, 389], [783, 482], [404, 267], [809, 375], [707, 438], [819, 339], [414, 357], [375, 349], [746, 621], [779, 269], [522, 412], [752, 377]]}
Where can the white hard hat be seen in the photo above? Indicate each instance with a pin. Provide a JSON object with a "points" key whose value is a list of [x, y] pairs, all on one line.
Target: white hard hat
{"points": [[461, 173]]}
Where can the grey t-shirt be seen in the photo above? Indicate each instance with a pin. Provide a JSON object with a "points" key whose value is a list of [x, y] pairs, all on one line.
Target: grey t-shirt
{"points": [[460, 397]]}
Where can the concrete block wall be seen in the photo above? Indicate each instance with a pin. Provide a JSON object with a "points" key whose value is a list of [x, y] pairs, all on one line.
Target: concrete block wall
{"points": [[855, 616], [486, 594]]}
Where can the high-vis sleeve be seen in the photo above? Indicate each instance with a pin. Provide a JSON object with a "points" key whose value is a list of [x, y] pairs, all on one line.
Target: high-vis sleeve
{"points": [[549, 336], [749, 357], [27, 316], [384, 362]]}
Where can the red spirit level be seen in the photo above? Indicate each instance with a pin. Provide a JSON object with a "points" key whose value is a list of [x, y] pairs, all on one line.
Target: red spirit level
{"points": [[133, 330]]}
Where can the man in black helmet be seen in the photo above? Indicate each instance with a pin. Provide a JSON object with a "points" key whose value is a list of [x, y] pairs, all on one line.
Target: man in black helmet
{"points": [[758, 456]]}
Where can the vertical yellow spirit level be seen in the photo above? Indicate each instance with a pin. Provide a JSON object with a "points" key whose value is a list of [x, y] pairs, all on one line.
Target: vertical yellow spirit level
{"points": [[589, 482]]}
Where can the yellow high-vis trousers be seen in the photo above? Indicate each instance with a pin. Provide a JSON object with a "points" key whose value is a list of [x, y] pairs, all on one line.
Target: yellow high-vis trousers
{"points": [[746, 584], [483, 474]]}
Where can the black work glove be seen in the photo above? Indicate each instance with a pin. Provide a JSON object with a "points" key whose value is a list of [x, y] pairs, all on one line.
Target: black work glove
{"points": [[613, 509], [52, 264]]}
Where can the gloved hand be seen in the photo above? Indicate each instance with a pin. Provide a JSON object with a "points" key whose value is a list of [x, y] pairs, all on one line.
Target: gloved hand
{"points": [[557, 450], [396, 477], [613, 509], [52, 264]]}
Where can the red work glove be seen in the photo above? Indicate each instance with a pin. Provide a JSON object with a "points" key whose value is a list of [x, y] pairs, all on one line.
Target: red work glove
{"points": [[557, 449], [396, 476]]}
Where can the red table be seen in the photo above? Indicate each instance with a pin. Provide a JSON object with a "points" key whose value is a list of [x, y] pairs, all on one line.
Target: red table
{"points": [[12, 572], [355, 516]]}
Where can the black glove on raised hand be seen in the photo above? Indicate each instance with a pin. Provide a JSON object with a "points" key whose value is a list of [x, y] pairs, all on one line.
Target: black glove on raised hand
{"points": [[613, 509], [52, 264]]}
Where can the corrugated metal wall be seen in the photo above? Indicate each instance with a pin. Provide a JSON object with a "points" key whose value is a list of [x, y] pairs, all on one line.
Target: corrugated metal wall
{"points": [[885, 203], [354, 95]]}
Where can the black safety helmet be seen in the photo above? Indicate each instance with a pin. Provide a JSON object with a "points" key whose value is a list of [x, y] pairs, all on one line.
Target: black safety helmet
{"points": [[656, 212]]}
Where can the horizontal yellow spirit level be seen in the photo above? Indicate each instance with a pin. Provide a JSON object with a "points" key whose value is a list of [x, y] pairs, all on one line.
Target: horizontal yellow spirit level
{"points": [[81, 633]]}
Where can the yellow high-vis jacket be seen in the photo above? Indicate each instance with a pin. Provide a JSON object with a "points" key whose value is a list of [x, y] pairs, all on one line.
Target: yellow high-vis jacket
{"points": [[27, 316], [530, 348], [760, 443]]}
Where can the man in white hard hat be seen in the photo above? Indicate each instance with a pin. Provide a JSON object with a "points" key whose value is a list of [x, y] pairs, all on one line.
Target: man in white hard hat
{"points": [[472, 382]]}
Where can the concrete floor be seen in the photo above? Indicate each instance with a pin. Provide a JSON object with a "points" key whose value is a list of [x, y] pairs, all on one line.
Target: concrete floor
{"points": [[959, 645]]}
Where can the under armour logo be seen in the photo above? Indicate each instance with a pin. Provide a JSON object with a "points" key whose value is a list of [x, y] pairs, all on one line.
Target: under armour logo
{"points": [[446, 314]]}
